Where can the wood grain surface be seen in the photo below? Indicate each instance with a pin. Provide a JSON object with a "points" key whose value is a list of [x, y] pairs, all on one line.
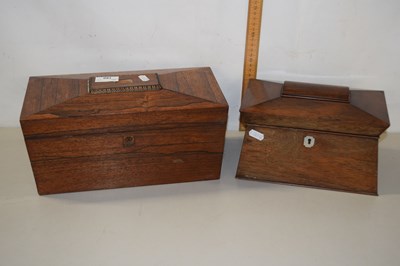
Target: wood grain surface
{"points": [[365, 114], [82, 141], [346, 125], [336, 161], [315, 91]]}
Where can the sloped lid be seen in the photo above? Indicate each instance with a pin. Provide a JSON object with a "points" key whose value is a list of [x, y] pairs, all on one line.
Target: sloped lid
{"points": [[50, 97], [120, 101], [315, 107]]}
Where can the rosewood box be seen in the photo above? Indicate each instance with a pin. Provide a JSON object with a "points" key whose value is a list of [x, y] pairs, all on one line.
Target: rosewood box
{"points": [[112, 130], [312, 135]]}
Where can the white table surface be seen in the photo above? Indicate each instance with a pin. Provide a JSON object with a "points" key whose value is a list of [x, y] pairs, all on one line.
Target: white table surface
{"points": [[223, 222]]}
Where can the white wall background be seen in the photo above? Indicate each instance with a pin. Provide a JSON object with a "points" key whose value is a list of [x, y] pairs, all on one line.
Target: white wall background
{"points": [[350, 42]]}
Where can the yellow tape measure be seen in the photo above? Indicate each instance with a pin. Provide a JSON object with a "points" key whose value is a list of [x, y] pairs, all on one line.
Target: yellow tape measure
{"points": [[252, 43]]}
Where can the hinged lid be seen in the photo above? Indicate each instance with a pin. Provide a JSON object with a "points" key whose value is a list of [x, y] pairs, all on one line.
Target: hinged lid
{"points": [[83, 102], [315, 107]]}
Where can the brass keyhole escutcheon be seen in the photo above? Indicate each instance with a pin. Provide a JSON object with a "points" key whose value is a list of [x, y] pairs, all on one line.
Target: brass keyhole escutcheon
{"points": [[128, 141]]}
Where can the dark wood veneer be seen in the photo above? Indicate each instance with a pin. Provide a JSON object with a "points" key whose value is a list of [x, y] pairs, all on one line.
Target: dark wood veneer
{"points": [[79, 141], [346, 125]]}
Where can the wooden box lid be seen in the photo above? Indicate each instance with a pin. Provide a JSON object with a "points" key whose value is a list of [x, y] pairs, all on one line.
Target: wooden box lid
{"points": [[315, 107], [139, 96]]}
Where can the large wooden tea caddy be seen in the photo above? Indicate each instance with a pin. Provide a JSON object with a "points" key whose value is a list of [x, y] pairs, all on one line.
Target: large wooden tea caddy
{"points": [[111, 130]]}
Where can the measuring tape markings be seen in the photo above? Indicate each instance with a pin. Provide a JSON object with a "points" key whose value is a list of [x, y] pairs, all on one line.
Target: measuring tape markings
{"points": [[252, 43]]}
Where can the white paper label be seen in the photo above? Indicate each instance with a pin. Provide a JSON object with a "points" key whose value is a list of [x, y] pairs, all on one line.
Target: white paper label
{"points": [[144, 78], [107, 79], [257, 135]]}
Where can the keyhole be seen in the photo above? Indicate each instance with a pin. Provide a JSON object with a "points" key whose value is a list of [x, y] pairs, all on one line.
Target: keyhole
{"points": [[128, 141], [309, 141]]}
